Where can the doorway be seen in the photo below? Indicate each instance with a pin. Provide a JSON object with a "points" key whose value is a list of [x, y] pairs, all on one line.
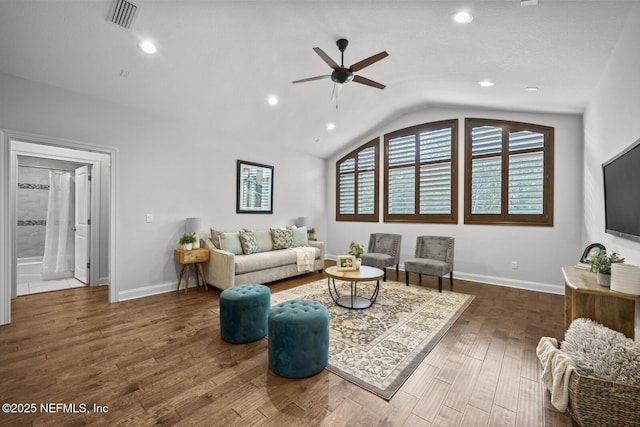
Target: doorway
{"points": [[51, 216], [102, 230]]}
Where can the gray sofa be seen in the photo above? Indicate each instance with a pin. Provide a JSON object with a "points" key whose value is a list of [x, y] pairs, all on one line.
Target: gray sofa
{"points": [[229, 266]]}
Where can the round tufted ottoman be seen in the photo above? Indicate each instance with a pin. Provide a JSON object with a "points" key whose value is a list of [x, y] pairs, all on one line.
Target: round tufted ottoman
{"points": [[298, 338], [243, 313]]}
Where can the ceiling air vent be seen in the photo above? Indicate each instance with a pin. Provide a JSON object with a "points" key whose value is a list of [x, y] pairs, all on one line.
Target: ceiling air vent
{"points": [[123, 13]]}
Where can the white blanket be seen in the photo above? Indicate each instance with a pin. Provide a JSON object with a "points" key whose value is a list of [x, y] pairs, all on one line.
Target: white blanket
{"points": [[306, 257], [557, 368]]}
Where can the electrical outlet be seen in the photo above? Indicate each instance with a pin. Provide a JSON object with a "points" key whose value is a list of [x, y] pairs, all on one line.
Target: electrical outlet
{"points": [[514, 265], [149, 217]]}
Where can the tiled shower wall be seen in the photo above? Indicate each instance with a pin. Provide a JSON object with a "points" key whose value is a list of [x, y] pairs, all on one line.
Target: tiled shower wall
{"points": [[33, 198]]}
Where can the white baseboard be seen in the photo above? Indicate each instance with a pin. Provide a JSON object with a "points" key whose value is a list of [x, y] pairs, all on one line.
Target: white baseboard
{"points": [[147, 291], [499, 281], [511, 283]]}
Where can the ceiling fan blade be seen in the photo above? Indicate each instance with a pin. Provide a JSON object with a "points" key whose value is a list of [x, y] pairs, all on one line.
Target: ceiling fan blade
{"points": [[311, 79], [326, 58], [368, 61], [365, 81]]}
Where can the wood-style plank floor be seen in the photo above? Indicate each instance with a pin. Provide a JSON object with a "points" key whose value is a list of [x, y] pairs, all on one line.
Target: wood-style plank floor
{"points": [[160, 361]]}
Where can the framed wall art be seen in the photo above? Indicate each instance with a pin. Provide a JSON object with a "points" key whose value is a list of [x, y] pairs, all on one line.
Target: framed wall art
{"points": [[254, 188]]}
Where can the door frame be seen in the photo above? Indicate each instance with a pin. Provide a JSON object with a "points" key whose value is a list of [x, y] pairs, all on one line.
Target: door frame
{"points": [[20, 147], [8, 211]]}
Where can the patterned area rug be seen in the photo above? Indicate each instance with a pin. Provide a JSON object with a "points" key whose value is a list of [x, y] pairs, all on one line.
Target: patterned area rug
{"points": [[379, 348]]}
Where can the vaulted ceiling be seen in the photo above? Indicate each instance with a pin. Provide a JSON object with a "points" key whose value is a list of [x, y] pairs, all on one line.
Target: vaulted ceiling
{"points": [[218, 61]]}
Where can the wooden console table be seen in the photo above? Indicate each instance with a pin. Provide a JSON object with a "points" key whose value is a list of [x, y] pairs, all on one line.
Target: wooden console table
{"points": [[583, 297]]}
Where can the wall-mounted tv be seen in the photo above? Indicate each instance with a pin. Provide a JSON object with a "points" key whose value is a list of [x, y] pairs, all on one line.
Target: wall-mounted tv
{"points": [[622, 193]]}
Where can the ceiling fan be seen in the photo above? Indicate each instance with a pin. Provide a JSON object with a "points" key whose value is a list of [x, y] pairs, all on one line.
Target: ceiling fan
{"points": [[340, 73]]}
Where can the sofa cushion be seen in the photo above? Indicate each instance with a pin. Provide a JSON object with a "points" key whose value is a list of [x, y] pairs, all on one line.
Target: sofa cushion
{"points": [[282, 238], [300, 236], [248, 242], [264, 240], [230, 242], [215, 236], [265, 260]]}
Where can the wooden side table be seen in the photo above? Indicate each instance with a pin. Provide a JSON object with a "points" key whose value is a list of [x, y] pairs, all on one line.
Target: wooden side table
{"points": [[583, 297], [195, 258]]}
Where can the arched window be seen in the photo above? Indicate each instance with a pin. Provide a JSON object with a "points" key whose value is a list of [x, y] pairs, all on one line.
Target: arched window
{"points": [[421, 183], [508, 173], [357, 184]]}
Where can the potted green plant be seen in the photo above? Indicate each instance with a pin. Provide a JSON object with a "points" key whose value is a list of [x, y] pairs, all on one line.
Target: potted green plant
{"points": [[356, 249], [311, 233], [601, 265], [187, 241]]}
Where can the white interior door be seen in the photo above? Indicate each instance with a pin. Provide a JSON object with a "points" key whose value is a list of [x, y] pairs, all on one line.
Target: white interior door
{"points": [[82, 223]]}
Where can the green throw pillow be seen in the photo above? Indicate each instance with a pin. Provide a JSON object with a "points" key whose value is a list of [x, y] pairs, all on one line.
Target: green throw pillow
{"points": [[249, 242], [282, 238], [300, 236], [230, 242]]}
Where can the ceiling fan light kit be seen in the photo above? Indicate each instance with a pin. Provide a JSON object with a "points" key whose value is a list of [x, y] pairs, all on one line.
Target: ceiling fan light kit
{"points": [[342, 74]]}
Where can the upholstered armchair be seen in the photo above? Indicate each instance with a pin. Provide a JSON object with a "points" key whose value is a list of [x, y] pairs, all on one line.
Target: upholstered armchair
{"points": [[433, 257], [383, 252]]}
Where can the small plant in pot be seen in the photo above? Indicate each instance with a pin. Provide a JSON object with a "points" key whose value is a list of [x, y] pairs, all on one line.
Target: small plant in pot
{"points": [[187, 241], [601, 265], [311, 233], [356, 249]]}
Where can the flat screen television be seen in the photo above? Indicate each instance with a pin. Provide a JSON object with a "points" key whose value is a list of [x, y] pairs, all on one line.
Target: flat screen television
{"points": [[622, 193]]}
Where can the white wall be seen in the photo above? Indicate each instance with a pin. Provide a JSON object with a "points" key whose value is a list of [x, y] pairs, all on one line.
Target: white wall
{"points": [[170, 169], [612, 123], [484, 253]]}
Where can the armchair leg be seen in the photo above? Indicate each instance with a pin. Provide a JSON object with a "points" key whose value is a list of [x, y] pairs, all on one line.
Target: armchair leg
{"points": [[419, 279], [397, 271], [384, 278], [406, 277], [451, 278], [440, 284]]}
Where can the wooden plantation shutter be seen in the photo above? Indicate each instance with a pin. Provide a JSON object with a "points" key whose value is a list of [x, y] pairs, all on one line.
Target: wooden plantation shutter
{"points": [[357, 184], [420, 173], [509, 173]]}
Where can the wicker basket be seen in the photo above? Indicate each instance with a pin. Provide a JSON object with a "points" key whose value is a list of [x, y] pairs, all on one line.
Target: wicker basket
{"points": [[596, 402]]}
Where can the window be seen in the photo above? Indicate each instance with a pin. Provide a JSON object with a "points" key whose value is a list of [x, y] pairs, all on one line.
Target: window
{"points": [[357, 184], [421, 173], [508, 173]]}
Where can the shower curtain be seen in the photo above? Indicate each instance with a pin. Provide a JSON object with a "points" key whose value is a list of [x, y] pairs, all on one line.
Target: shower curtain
{"points": [[58, 260]]}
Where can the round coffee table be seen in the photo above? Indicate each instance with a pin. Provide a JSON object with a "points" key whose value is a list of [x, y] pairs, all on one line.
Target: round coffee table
{"points": [[353, 300]]}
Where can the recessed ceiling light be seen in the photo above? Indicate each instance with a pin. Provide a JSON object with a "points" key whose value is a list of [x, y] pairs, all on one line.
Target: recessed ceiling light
{"points": [[331, 126], [486, 83], [272, 100], [148, 47], [462, 17], [532, 88]]}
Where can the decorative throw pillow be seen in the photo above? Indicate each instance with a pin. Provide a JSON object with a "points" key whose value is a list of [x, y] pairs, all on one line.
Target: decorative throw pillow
{"points": [[282, 238], [300, 236], [215, 236], [230, 242], [249, 242]]}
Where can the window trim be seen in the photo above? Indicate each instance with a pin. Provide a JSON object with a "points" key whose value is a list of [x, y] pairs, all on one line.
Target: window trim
{"points": [[450, 218], [375, 216], [505, 218]]}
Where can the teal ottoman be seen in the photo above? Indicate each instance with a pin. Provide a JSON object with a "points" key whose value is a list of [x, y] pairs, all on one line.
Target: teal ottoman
{"points": [[244, 310], [298, 338]]}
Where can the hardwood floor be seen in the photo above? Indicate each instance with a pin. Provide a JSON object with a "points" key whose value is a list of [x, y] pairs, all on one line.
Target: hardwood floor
{"points": [[160, 361]]}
